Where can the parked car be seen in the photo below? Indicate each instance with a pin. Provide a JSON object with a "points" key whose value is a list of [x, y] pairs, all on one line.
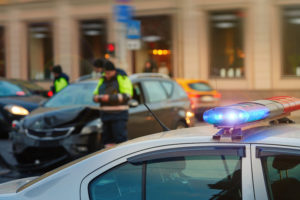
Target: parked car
{"points": [[17, 99], [264, 163], [201, 94], [68, 124]]}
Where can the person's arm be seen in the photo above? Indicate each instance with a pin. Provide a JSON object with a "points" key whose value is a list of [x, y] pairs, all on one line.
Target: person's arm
{"points": [[126, 91], [96, 97], [117, 98], [101, 98]]}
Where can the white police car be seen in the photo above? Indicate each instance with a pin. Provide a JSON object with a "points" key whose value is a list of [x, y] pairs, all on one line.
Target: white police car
{"points": [[246, 159]]}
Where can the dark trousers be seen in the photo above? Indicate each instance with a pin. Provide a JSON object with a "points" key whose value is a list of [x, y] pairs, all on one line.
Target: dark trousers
{"points": [[114, 131]]}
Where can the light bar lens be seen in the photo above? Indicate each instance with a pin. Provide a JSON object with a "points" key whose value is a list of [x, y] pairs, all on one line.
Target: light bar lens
{"points": [[236, 114]]}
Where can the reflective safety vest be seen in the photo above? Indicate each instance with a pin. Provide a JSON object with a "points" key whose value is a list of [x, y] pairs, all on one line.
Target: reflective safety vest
{"points": [[59, 84], [125, 85]]}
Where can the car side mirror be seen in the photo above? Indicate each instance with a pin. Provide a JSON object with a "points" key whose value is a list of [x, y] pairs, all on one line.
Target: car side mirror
{"points": [[133, 103]]}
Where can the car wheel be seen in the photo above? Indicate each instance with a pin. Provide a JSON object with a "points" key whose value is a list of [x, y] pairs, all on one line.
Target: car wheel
{"points": [[180, 125]]}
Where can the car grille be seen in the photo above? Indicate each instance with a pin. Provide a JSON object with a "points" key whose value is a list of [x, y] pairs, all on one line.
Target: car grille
{"points": [[48, 134]]}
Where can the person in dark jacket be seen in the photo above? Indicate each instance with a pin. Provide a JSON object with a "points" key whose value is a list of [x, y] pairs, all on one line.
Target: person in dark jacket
{"points": [[150, 66], [98, 69], [61, 80], [113, 93]]}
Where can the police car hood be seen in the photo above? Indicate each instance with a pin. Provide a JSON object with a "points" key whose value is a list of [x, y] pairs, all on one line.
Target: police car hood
{"points": [[47, 118]]}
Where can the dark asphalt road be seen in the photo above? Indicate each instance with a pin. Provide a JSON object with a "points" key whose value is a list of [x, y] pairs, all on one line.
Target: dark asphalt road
{"points": [[8, 165]]}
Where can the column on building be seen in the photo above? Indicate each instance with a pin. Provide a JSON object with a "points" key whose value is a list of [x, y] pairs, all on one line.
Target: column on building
{"points": [[262, 65], [15, 32], [189, 19], [63, 40]]}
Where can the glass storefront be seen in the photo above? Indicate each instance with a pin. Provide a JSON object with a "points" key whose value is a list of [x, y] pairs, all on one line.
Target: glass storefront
{"points": [[2, 52], [93, 39], [227, 55], [40, 52], [290, 41], [156, 50]]}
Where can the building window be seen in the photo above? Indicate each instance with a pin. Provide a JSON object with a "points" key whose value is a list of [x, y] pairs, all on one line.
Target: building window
{"points": [[40, 55], [2, 52], [156, 37], [227, 57], [93, 41], [290, 41]]}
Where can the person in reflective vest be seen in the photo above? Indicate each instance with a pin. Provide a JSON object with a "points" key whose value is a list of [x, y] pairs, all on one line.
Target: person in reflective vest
{"points": [[113, 92], [61, 80]]}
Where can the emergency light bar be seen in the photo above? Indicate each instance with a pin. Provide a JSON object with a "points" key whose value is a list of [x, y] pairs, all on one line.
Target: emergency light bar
{"points": [[232, 118], [243, 113]]}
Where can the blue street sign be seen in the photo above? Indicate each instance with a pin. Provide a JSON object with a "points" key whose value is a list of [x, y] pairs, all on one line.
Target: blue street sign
{"points": [[123, 13], [133, 29]]}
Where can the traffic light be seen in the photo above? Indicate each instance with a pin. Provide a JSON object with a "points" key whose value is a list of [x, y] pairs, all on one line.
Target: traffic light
{"points": [[110, 49]]}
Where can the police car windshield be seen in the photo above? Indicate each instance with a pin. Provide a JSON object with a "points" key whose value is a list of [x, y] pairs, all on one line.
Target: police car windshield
{"points": [[74, 95]]}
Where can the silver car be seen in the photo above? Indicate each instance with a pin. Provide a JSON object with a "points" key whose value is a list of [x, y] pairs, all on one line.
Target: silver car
{"points": [[193, 163]]}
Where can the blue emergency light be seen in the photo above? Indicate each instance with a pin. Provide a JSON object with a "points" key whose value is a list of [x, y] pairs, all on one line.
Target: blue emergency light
{"points": [[236, 114], [231, 119], [243, 113]]}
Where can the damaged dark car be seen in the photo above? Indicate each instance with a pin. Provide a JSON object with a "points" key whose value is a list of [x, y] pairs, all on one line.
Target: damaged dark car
{"points": [[17, 99], [67, 126]]}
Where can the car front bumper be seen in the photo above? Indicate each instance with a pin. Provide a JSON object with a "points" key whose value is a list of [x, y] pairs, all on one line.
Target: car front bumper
{"points": [[38, 151]]}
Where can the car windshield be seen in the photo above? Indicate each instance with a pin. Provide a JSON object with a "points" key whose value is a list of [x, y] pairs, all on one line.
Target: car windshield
{"points": [[28, 85], [8, 89], [200, 86], [73, 95]]}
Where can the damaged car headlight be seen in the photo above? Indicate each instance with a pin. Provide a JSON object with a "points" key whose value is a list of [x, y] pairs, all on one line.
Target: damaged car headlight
{"points": [[91, 127], [16, 110]]}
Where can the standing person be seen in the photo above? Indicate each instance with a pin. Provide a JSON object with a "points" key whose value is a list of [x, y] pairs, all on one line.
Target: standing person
{"points": [[61, 80], [113, 93], [98, 69], [150, 66]]}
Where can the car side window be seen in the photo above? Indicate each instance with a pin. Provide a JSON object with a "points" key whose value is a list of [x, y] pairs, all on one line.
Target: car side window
{"points": [[169, 86], [177, 178], [155, 91], [121, 183], [179, 92], [194, 177], [137, 93], [282, 175]]}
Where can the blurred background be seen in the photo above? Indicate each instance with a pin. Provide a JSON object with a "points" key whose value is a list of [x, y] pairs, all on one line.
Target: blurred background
{"points": [[250, 47]]}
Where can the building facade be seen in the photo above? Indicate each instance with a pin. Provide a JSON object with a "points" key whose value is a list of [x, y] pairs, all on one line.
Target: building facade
{"points": [[235, 44]]}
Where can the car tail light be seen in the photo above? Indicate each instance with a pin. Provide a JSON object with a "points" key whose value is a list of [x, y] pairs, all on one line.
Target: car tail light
{"points": [[218, 95], [193, 95], [50, 94]]}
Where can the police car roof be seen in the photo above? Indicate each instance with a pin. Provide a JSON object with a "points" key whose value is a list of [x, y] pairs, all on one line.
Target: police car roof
{"points": [[281, 134]]}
